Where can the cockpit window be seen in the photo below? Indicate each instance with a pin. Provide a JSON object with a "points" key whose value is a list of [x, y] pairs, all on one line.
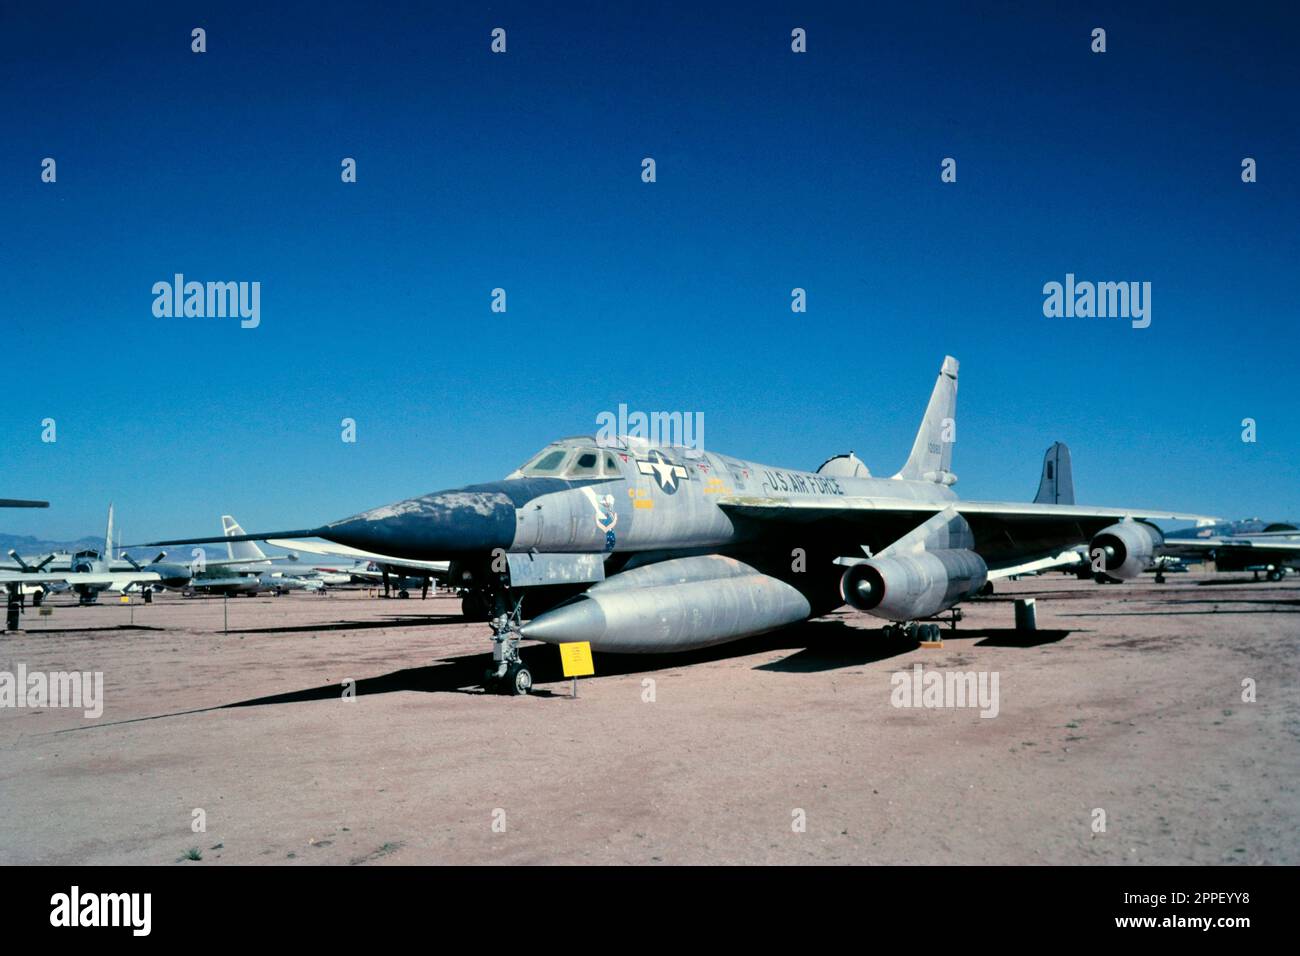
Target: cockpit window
{"points": [[584, 466], [547, 463], [569, 462]]}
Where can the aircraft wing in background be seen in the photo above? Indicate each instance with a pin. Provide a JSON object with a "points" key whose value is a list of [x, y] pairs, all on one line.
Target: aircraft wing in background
{"points": [[407, 566]]}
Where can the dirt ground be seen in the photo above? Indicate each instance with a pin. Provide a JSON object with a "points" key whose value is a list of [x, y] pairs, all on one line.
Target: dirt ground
{"points": [[1127, 700]]}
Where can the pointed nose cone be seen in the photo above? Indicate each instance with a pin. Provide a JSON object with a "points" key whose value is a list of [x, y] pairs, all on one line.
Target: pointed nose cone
{"points": [[447, 524], [583, 620]]}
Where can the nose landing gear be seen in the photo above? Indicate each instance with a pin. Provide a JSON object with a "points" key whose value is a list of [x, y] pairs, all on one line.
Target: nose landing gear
{"points": [[518, 681], [508, 675]]}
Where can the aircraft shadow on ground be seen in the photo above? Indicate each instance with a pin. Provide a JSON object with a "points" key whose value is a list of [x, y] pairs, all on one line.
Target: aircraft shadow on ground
{"points": [[1174, 612], [826, 653], [405, 620], [106, 627], [1011, 637], [464, 674], [1294, 602], [818, 645], [1229, 582]]}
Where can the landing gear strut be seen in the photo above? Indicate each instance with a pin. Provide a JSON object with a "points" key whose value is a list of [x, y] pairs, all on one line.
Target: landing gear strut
{"points": [[508, 675], [924, 632], [475, 606]]}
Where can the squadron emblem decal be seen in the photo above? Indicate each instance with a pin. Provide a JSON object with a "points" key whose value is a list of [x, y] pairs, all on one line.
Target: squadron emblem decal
{"points": [[605, 515], [665, 473]]}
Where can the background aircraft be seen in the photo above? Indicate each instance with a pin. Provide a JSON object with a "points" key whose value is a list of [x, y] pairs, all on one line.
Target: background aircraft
{"points": [[89, 572], [403, 574], [639, 548], [1239, 546], [248, 570], [278, 566], [222, 580]]}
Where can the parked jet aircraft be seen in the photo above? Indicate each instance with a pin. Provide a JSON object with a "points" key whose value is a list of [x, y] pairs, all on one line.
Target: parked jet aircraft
{"points": [[250, 571], [640, 548], [288, 569], [366, 566], [388, 570], [221, 580], [1271, 550]]}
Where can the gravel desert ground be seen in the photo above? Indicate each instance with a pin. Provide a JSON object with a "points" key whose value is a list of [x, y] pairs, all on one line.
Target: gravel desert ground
{"points": [[787, 748]]}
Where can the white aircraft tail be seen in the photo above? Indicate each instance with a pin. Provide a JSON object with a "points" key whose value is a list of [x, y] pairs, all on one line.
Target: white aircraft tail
{"points": [[239, 550], [931, 458], [1056, 486], [108, 535]]}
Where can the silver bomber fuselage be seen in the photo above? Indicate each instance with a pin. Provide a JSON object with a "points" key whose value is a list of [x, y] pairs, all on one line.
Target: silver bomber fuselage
{"points": [[662, 499]]}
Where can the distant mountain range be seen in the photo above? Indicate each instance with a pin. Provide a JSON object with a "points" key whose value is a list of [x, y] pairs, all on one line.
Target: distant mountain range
{"points": [[27, 545]]}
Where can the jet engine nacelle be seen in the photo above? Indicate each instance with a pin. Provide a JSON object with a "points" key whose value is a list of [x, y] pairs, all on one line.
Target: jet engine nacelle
{"points": [[910, 586], [1126, 548]]}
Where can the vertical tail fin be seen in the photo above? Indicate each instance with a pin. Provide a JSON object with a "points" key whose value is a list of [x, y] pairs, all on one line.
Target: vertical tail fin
{"points": [[1056, 486], [931, 458], [108, 535], [240, 550]]}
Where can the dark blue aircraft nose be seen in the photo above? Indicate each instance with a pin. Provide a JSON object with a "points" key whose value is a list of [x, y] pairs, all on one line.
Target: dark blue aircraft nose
{"points": [[446, 524]]}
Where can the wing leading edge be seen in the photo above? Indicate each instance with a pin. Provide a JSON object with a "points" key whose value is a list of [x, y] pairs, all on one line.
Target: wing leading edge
{"points": [[1006, 533]]}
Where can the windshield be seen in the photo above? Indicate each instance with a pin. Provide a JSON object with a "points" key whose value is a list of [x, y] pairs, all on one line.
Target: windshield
{"points": [[563, 462], [549, 462]]}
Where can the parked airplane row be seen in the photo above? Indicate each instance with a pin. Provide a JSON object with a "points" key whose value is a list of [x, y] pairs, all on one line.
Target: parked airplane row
{"points": [[246, 570], [1251, 545], [641, 548]]}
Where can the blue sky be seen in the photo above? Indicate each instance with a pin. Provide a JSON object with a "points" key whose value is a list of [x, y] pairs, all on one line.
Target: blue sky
{"points": [[522, 171]]}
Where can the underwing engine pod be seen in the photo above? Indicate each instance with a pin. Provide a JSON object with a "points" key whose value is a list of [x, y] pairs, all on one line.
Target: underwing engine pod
{"points": [[907, 587], [1125, 548]]}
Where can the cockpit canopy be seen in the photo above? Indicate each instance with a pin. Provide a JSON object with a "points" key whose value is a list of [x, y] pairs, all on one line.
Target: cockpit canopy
{"points": [[571, 458], [84, 561]]}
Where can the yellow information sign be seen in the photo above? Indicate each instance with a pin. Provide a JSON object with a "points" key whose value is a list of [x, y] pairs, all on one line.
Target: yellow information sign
{"points": [[124, 599], [576, 658]]}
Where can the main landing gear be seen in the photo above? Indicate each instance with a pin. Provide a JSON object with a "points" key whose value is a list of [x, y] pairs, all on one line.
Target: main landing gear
{"points": [[924, 632], [508, 675], [913, 631]]}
